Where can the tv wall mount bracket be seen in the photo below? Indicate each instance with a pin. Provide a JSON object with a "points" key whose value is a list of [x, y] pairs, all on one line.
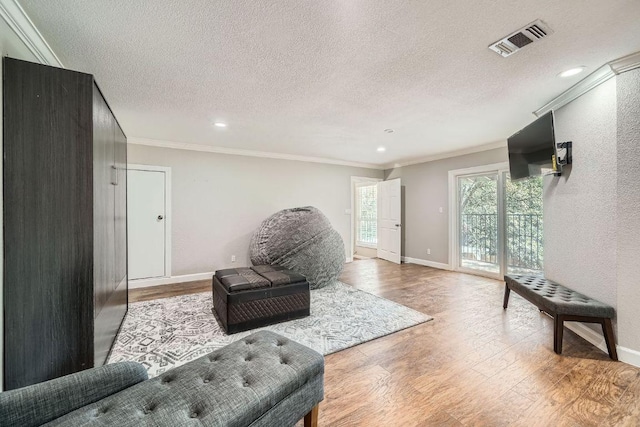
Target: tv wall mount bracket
{"points": [[563, 156], [563, 153]]}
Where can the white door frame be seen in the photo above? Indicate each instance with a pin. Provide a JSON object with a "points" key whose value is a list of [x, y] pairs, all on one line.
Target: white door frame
{"points": [[454, 237], [352, 236], [167, 215]]}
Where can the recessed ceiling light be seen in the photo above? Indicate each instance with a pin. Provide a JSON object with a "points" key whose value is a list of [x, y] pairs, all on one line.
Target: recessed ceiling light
{"points": [[572, 72], [220, 125], [381, 150], [388, 130]]}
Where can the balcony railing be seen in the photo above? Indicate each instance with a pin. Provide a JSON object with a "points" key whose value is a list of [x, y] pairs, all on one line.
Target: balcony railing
{"points": [[524, 232]]}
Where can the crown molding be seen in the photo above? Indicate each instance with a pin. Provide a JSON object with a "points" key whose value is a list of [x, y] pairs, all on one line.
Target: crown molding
{"points": [[247, 153], [21, 24], [593, 80], [626, 63], [281, 156], [446, 155]]}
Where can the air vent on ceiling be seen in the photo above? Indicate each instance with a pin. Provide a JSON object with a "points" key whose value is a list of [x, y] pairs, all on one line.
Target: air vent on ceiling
{"points": [[515, 41]]}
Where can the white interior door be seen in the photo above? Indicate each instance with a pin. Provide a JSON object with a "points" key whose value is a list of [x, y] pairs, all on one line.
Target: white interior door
{"points": [[146, 212], [389, 214]]}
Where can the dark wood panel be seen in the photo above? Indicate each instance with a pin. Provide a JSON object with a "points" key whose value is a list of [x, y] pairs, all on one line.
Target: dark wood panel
{"points": [[108, 322], [120, 205], [48, 222], [104, 200], [110, 162], [110, 317]]}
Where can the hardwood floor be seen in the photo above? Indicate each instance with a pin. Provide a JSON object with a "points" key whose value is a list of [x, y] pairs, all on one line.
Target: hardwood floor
{"points": [[474, 364], [166, 291]]}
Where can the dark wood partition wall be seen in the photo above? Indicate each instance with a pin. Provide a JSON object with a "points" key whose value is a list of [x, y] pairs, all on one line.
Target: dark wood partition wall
{"points": [[111, 223], [48, 222], [121, 205], [65, 286]]}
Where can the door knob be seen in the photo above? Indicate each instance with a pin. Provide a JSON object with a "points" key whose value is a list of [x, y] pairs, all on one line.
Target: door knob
{"points": [[160, 217], [397, 225]]}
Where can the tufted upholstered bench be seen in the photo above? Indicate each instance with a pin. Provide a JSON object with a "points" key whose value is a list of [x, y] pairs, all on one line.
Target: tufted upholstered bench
{"points": [[261, 380], [247, 298], [563, 304]]}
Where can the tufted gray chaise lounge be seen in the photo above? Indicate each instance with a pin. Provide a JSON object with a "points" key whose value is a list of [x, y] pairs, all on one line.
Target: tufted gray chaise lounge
{"points": [[563, 304], [261, 380]]}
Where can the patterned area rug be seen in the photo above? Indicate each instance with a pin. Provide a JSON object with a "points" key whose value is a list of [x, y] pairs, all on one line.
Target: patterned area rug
{"points": [[165, 333]]}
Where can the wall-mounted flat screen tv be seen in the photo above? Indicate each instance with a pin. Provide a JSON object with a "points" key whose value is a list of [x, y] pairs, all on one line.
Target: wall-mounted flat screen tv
{"points": [[532, 150]]}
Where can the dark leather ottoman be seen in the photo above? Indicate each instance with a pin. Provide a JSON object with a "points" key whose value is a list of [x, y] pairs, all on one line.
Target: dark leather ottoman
{"points": [[247, 298]]}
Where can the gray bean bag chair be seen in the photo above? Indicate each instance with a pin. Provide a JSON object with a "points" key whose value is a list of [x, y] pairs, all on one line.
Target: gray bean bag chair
{"points": [[302, 240]]}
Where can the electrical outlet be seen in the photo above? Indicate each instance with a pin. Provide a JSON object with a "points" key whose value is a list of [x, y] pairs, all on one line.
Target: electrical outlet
{"points": [[428, 251], [233, 258], [441, 210]]}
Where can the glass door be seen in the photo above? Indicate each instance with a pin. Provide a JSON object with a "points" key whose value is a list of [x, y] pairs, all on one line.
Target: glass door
{"points": [[499, 224], [523, 225], [478, 223]]}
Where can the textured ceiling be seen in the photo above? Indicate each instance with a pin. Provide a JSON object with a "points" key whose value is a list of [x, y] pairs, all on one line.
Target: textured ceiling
{"points": [[325, 78]]}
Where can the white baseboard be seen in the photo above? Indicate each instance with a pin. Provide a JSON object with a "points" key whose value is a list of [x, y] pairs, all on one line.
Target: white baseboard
{"points": [[626, 355], [588, 334], [426, 263], [156, 281]]}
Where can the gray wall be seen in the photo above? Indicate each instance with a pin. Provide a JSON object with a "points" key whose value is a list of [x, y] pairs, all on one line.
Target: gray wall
{"points": [[218, 200], [628, 209], [580, 206], [592, 214], [425, 188], [10, 45]]}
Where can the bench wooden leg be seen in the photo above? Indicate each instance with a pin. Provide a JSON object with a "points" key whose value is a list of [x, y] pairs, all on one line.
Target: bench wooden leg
{"points": [[311, 419], [609, 337], [558, 329], [507, 292]]}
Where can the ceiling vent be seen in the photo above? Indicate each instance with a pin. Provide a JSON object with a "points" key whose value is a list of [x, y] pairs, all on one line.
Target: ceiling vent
{"points": [[532, 33]]}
